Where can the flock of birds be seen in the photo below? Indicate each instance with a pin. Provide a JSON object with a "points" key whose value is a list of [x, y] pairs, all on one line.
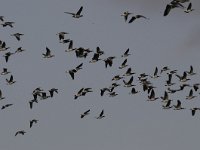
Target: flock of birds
{"points": [[145, 80]]}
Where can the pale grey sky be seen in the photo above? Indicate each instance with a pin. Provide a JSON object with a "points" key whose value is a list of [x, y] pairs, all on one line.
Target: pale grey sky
{"points": [[131, 122]]}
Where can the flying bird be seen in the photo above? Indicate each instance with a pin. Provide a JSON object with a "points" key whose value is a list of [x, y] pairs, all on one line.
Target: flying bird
{"points": [[101, 115], [1, 97], [32, 121], [5, 71], [136, 17], [5, 106], [76, 15], [48, 53], [22, 132], [85, 113], [10, 81], [17, 35], [189, 8]]}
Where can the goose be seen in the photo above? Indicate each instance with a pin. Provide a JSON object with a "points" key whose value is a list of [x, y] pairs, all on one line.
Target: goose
{"points": [[48, 53], [191, 72], [172, 5], [183, 78], [79, 93], [7, 55], [2, 18], [95, 58], [112, 94], [152, 97], [61, 35], [165, 97], [123, 65], [134, 91], [5, 71], [193, 110], [31, 103], [17, 35], [85, 113], [167, 105], [128, 72], [190, 96], [109, 61], [99, 51], [5, 106], [117, 77], [178, 105], [51, 91], [32, 121], [129, 83], [10, 81], [3, 46], [125, 15], [22, 132], [76, 15], [137, 17], [189, 8], [1, 97], [19, 50], [169, 81], [196, 86], [71, 73], [155, 75], [10, 24], [70, 47], [102, 91], [166, 68], [126, 53], [101, 115]]}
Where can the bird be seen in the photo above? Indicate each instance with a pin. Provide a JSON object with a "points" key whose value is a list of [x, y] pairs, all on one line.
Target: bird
{"points": [[32, 121], [79, 93], [8, 23], [128, 83], [61, 35], [136, 17], [7, 55], [70, 47], [22, 132], [71, 73], [169, 81], [125, 15], [189, 8], [152, 97], [19, 50], [155, 75], [123, 65], [77, 14], [178, 105], [103, 91], [117, 77], [5, 106], [5, 71], [3, 46], [128, 72], [31, 103], [99, 51], [101, 115], [95, 58], [190, 96], [1, 97], [134, 91], [166, 68], [10, 81], [183, 78], [48, 53], [196, 86], [109, 61], [17, 35], [193, 110], [167, 104], [2, 18], [165, 97], [85, 113], [51, 91], [191, 72], [173, 4]]}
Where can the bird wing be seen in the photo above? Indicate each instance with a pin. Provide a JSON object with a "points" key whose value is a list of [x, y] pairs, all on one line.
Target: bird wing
{"points": [[79, 11], [167, 10], [132, 19]]}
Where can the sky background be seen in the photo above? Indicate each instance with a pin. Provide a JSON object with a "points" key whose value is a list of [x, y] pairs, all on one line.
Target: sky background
{"points": [[131, 122]]}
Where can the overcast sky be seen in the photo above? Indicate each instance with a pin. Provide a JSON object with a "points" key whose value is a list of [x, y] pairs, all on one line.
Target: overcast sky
{"points": [[131, 121]]}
